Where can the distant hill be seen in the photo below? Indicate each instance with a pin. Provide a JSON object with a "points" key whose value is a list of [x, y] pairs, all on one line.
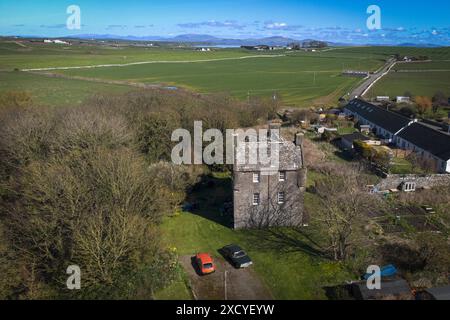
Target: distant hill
{"points": [[200, 39], [194, 38], [427, 45], [204, 39], [191, 38]]}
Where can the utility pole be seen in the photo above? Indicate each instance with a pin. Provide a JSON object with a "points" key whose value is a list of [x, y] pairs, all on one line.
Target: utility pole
{"points": [[225, 284]]}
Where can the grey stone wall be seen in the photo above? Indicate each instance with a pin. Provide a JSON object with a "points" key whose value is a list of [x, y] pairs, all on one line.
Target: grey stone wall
{"points": [[268, 212], [394, 181]]}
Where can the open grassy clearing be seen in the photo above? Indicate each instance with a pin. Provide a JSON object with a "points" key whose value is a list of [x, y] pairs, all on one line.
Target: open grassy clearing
{"points": [[284, 259], [55, 91], [289, 273]]}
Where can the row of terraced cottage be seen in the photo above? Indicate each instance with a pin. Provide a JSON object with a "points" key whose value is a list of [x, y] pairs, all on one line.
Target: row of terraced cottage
{"points": [[426, 141]]}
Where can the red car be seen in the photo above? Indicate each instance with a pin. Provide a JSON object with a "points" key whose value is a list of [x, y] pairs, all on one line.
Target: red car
{"points": [[205, 263]]}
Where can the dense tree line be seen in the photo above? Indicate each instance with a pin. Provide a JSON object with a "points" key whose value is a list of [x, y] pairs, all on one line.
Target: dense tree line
{"points": [[89, 185]]}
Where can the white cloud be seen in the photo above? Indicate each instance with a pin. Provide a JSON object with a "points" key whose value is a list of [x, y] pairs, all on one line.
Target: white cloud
{"points": [[270, 25], [213, 24]]}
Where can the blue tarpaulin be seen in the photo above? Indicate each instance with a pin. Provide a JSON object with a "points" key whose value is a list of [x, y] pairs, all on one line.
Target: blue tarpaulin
{"points": [[386, 271]]}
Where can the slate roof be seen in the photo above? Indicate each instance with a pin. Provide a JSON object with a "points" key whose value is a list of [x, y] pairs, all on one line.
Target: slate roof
{"points": [[440, 293], [383, 118], [435, 142], [354, 136], [290, 158], [390, 289]]}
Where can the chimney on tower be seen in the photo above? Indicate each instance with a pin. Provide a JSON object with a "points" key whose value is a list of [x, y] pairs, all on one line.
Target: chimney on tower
{"points": [[299, 139]]}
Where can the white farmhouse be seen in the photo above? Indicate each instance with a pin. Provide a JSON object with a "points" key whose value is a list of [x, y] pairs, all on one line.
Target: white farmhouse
{"points": [[429, 144], [432, 146]]}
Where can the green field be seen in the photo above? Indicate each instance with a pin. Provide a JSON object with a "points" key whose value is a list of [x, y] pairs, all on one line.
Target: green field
{"points": [[40, 55], [424, 83], [300, 78], [419, 78], [419, 66], [432, 53], [55, 91]]}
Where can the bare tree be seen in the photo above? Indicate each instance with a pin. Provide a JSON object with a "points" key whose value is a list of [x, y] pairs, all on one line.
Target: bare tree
{"points": [[342, 214]]}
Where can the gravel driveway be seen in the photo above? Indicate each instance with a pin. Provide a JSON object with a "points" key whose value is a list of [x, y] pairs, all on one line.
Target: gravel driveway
{"points": [[241, 284]]}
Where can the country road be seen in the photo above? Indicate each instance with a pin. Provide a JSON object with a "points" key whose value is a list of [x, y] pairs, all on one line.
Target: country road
{"points": [[364, 87]]}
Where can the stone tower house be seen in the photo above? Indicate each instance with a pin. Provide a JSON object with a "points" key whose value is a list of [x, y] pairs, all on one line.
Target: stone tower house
{"points": [[264, 199]]}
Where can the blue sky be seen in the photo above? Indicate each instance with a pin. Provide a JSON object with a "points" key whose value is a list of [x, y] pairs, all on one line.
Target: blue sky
{"points": [[332, 20]]}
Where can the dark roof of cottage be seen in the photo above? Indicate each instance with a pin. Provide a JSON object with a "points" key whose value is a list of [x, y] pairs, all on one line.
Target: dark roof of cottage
{"points": [[383, 118], [435, 142], [390, 289], [290, 158], [440, 293], [354, 136]]}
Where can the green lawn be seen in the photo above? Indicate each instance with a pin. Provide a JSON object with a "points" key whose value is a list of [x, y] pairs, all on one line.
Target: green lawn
{"points": [[404, 166], [287, 271], [284, 259], [177, 290], [400, 166]]}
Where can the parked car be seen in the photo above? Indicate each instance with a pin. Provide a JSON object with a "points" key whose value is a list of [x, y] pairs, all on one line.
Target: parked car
{"points": [[205, 263], [237, 256]]}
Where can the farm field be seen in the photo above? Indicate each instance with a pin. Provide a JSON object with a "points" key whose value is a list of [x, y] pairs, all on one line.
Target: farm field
{"points": [[298, 79], [442, 53], [301, 78], [419, 78], [55, 91], [419, 66], [38, 55], [425, 83]]}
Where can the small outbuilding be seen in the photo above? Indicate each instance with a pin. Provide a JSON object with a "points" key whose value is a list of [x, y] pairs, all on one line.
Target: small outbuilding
{"points": [[439, 293], [392, 289], [348, 139], [364, 128], [402, 99]]}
